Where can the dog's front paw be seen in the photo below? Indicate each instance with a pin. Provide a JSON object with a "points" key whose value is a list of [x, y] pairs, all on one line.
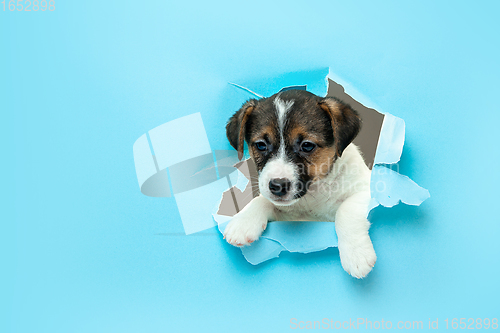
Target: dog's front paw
{"points": [[359, 260], [244, 229]]}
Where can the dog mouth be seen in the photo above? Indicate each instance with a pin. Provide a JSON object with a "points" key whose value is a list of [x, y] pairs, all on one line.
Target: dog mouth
{"points": [[284, 202]]}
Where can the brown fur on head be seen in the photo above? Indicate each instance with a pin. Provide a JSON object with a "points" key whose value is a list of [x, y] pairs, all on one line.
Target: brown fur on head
{"points": [[281, 129], [346, 123], [235, 128]]}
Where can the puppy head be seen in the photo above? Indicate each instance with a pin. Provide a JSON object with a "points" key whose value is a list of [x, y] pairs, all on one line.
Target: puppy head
{"points": [[294, 137]]}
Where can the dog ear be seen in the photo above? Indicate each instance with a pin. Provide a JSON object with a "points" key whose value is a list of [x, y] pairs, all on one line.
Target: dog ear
{"points": [[235, 128], [346, 122]]}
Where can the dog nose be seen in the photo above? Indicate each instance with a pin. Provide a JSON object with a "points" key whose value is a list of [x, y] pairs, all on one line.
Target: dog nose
{"points": [[279, 186]]}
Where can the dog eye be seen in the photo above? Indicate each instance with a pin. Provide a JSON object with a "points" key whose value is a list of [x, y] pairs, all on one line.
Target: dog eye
{"points": [[261, 145], [307, 146]]}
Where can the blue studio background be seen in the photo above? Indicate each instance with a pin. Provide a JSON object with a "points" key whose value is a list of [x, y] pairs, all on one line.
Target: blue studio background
{"points": [[82, 250]]}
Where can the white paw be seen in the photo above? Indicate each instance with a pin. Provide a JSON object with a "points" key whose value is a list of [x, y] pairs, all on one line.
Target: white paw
{"points": [[245, 228], [358, 260]]}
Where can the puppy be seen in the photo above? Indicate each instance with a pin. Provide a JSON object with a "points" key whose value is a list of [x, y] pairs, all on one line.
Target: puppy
{"points": [[308, 170]]}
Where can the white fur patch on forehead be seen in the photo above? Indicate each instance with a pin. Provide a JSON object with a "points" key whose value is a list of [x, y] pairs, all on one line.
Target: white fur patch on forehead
{"points": [[278, 168], [282, 109]]}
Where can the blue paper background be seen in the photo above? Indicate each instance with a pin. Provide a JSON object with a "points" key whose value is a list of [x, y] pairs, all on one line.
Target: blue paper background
{"points": [[82, 250]]}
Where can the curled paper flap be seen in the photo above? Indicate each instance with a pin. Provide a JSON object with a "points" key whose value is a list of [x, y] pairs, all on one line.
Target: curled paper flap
{"points": [[392, 140], [388, 188], [304, 87], [314, 80], [300, 237]]}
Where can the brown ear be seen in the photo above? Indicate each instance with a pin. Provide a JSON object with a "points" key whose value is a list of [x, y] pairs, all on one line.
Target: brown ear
{"points": [[235, 128], [346, 122]]}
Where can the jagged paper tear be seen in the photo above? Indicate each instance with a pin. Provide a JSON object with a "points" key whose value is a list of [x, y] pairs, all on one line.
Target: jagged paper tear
{"points": [[288, 236], [388, 188]]}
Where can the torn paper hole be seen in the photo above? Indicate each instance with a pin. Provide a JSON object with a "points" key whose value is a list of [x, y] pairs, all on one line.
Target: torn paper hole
{"points": [[196, 176], [380, 140]]}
